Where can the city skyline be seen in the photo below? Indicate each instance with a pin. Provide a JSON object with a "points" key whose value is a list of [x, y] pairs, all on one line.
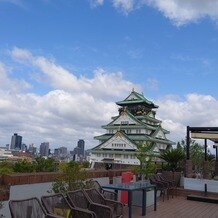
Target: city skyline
{"points": [[64, 64]]}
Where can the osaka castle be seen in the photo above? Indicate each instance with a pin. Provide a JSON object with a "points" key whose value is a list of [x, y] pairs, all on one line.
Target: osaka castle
{"points": [[135, 123]]}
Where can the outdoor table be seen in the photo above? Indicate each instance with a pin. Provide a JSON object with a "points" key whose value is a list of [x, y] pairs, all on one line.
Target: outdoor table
{"points": [[130, 188]]}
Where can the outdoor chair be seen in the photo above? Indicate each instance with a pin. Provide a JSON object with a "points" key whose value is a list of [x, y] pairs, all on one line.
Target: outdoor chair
{"points": [[107, 194], [78, 199], [58, 204], [96, 197], [169, 184], [160, 187], [28, 208]]}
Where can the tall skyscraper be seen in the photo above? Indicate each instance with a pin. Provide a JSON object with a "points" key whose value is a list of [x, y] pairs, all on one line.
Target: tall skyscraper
{"points": [[32, 149], [63, 151], [44, 149], [16, 142], [81, 146]]}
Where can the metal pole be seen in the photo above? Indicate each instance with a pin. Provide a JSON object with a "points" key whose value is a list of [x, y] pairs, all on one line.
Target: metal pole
{"points": [[187, 144], [205, 149], [216, 153]]}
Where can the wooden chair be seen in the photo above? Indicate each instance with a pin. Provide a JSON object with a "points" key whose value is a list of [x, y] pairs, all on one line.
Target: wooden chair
{"points": [[28, 208], [96, 197], [57, 203], [78, 199]]}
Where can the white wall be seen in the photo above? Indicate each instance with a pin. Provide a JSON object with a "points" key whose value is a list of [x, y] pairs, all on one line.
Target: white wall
{"points": [[198, 184]]}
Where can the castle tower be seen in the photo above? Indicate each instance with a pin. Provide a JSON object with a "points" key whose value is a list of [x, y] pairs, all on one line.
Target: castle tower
{"points": [[135, 123]]}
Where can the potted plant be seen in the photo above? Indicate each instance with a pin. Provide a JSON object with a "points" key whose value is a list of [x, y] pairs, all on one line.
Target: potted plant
{"points": [[174, 159]]}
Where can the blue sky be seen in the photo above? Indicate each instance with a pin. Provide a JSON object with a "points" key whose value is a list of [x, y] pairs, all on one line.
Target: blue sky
{"points": [[63, 64]]}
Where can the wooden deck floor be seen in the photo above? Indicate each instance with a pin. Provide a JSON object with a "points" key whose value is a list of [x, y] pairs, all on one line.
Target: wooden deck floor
{"points": [[177, 207]]}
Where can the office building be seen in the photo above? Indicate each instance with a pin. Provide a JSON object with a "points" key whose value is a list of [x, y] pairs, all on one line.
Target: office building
{"points": [[16, 142], [81, 146], [44, 149]]}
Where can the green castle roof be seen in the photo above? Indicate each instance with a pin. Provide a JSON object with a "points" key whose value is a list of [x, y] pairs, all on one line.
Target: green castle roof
{"points": [[136, 100]]}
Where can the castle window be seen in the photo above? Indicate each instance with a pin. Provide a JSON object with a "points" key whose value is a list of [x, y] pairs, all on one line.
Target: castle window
{"points": [[117, 155], [128, 131], [124, 123], [132, 156], [138, 131], [118, 145]]}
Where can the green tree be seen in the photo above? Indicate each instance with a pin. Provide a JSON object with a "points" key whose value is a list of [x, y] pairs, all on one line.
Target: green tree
{"points": [[174, 159], [85, 164], [23, 166], [6, 167], [145, 154], [71, 178], [197, 156], [45, 165]]}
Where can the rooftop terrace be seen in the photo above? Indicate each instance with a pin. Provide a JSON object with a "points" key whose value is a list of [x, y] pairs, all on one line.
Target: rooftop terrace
{"points": [[38, 184]]}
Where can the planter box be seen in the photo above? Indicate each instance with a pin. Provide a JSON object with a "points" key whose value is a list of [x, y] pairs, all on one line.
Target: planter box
{"points": [[137, 198]]}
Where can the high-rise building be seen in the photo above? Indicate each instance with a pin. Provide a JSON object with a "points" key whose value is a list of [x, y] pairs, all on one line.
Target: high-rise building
{"points": [[32, 149], [44, 149], [63, 151], [16, 142], [56, 152], [81, 146]]}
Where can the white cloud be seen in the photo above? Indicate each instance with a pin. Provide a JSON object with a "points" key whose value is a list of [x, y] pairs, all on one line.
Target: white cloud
{"points": [[182, 12], [152, 84], [179, 12], [95, 3], [76, 107], [102, 84], [125, 5], [194, 110], [19, 3], [11, 85]]}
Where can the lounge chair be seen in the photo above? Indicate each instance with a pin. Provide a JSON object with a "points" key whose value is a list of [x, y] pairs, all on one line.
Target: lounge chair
{"points": [[107, 194], [28, 208], [96, 197], [160, 186], [79, 199], [58, 204]]}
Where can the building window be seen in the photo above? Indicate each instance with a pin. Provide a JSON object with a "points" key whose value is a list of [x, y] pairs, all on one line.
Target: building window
{"points": [[111, 155], [118, 145], [98, 155], [126, 156], [117, 155], [138, 131], [104, 155], [110, 131], [132, 156], [128, 131], [124, 122]]}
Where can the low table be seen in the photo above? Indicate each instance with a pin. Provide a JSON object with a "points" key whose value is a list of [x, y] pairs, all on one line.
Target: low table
{"points": [[130, 188]]}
